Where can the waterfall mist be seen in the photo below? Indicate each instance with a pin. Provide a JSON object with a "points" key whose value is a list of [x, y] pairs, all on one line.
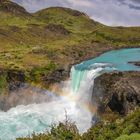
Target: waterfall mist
{"points": [[30, 109], [35, 110]]}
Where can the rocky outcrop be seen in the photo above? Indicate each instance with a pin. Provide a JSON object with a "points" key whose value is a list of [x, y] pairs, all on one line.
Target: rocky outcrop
{"points": [[60, 29], [56, 77], [135, 63], [15, 79], [11, 7], [11, 79], [73, 12], [118, 91]]}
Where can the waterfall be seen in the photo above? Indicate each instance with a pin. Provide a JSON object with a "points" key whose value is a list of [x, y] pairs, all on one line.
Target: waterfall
{"points": [[82, 78], [82, 83], [23, 120]]}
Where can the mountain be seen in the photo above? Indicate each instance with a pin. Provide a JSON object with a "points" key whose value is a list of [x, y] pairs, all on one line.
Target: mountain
{"points": [[13, 8], [12, 14], [71, 19]]}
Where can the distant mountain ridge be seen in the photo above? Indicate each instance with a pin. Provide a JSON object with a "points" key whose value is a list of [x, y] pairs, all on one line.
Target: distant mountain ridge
{"points": [[11, 7]]}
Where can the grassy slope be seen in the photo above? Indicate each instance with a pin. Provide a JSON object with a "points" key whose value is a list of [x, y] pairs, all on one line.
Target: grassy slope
{"points": [[37, 42], [54, 38]]}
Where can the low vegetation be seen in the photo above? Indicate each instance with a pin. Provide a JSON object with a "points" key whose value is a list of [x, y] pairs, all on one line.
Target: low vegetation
{"points": [[127, 128]]}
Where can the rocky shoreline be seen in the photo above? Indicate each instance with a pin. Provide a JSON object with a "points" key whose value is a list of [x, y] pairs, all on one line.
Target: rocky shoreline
{"points": [[135, 63]]}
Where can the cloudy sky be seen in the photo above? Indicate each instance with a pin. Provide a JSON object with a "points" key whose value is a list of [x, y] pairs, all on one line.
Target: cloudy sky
{"points": [[109, 12]]}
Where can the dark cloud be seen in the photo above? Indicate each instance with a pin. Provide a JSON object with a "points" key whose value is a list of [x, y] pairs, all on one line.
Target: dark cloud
{"points": [[109, 12], [132, 4], [127, 1], [136, 1], [121, 1], [134, 7], [135, 4]]}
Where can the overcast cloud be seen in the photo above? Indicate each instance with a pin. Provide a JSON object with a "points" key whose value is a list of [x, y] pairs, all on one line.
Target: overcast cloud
{"points": [[109, 12]]}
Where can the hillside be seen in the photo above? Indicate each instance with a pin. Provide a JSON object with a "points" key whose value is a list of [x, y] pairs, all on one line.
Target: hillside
{"points": [[45, 44], [12, 8]]}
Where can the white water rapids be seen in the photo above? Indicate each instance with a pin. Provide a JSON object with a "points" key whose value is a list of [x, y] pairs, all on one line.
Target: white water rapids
{"points": [[76, 101]]}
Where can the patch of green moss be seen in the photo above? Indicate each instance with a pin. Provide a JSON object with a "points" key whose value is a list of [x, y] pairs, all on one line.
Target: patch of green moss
{"points": [[133, 136], [3, 84], [39, 72]]}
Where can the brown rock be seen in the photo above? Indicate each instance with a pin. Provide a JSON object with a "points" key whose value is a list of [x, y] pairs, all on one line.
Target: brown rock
{"points": [[118, 91]]}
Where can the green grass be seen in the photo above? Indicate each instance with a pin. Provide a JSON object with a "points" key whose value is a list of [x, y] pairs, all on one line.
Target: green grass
{"points": [[119, 35], [3, 84], [65, 17], [113, 130], [11, 20], [133, 136]]}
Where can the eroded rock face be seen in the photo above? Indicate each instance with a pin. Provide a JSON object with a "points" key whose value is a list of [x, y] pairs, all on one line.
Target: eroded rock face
{"points": [[15, 79], [60, 29], [118, 91], [11, 80], [56, 76]]}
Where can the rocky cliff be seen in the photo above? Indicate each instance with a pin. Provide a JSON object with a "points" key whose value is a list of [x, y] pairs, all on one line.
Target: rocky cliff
{"points": [[117, 91]]}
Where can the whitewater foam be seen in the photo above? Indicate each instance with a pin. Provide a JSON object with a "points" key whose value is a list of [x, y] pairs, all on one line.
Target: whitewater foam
{"points": [[24, 120]]}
